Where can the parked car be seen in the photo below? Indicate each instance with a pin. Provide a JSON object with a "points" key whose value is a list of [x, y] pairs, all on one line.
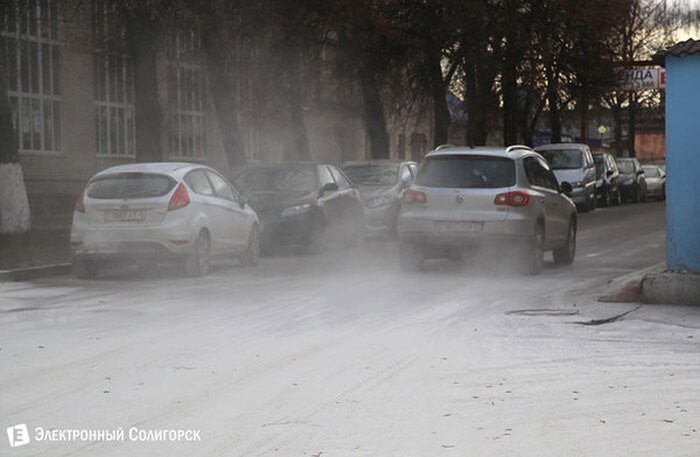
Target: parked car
{"points": [[380, 183], [303, 204], [149, 213], [655, 177], [607, 177], [633, 184], [573, 163], [499, 198]]}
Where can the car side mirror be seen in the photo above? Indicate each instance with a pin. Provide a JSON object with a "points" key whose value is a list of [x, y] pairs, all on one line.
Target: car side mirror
{"points": [[566, 188], [328, 187]]}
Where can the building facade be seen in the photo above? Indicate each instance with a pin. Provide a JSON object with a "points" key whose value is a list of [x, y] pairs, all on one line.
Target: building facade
{"points": [[71, 92]]}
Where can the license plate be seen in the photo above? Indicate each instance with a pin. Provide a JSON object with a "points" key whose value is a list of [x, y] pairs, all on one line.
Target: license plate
{"points": [[125, 215], [458, 226]]}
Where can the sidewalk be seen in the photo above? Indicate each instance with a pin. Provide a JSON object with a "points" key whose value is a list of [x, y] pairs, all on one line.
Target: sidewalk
{"points": [[43, 251]]}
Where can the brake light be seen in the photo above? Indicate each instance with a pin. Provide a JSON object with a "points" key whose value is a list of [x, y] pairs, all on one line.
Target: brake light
{"points": [[515, 198], [413, 197], [80, 203], [180, 198]]}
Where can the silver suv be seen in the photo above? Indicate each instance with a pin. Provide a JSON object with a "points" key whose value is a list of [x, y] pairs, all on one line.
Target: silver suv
{"points": [[466, 199]]}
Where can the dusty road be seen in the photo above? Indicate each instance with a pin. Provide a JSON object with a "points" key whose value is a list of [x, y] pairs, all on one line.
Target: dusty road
{"points": [[344, 355]]}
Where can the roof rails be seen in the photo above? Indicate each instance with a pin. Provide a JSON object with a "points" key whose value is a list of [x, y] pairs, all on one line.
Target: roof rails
{"points": [[514, 147], [443, 146]]}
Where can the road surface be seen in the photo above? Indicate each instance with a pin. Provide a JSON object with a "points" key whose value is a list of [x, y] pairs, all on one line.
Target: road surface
{"points": [[342, 354]]}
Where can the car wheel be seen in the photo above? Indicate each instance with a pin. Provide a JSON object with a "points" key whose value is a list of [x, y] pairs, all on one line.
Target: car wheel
{"points": [[251, 256], [617, 200], [606, 198], [565, 254], [533, 253], [663, 192], [635, 195], [410, 257], [197, 262], [85, 269]]}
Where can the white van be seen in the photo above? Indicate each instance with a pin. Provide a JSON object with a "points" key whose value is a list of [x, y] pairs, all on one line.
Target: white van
{"points": [[573, 163]]}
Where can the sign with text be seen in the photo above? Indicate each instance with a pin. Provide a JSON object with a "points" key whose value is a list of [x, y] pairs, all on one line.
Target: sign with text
{"points": [[642, 78]]}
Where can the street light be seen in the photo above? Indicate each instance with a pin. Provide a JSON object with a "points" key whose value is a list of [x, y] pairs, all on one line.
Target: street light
{"points": [[602, 130]]}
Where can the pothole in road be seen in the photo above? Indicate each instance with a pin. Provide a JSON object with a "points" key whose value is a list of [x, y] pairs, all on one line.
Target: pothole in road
{"points": [[543, 312]]}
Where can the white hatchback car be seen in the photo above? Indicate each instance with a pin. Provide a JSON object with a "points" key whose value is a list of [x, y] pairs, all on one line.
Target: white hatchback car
{"points": [[149, 213], [505, 199]]}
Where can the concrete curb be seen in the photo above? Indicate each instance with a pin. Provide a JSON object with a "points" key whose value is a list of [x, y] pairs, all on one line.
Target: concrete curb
{"points": [[654, 285], [628, 288], [25, 274], [672, 288]]}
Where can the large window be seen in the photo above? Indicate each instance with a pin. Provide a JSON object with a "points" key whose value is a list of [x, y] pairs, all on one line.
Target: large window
{"points": [[187, 110], [29, 41], [114, 83]]}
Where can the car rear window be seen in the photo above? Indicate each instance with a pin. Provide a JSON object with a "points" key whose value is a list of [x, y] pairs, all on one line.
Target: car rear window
{"points": [[130, 185], [563, 159], [467, 172]]}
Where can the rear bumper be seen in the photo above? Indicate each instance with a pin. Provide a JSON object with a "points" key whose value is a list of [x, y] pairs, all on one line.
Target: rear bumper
{"points": [[129, 252], [430, 246], [172, 239], [492, 235]]}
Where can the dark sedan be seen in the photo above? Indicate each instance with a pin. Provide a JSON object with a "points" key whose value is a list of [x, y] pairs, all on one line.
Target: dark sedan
{"points": [[302, 204], [632, 182]]}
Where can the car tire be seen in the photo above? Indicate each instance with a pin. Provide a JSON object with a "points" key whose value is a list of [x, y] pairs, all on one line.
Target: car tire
{"points": [[635, 195], [566, 253], [606, 198], [617, 200], [251, 256], [197, 262], [533, 253], [411, 259], [85, 269]]}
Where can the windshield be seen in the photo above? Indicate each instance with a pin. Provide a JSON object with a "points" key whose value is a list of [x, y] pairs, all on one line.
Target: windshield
{"points": [[294, 179], [470, 172], [651, 171], [373, 175], [130, 185], [563, 159], [625, 166]]}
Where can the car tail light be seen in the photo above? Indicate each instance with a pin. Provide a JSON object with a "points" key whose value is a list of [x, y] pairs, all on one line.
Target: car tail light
{"points": [[413, 197], [515, 198], [180, 198], [80, 203]]}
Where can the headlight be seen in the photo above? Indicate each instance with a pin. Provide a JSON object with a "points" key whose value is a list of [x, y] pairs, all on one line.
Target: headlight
{"points": [[296, 210], [377, 202]]}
